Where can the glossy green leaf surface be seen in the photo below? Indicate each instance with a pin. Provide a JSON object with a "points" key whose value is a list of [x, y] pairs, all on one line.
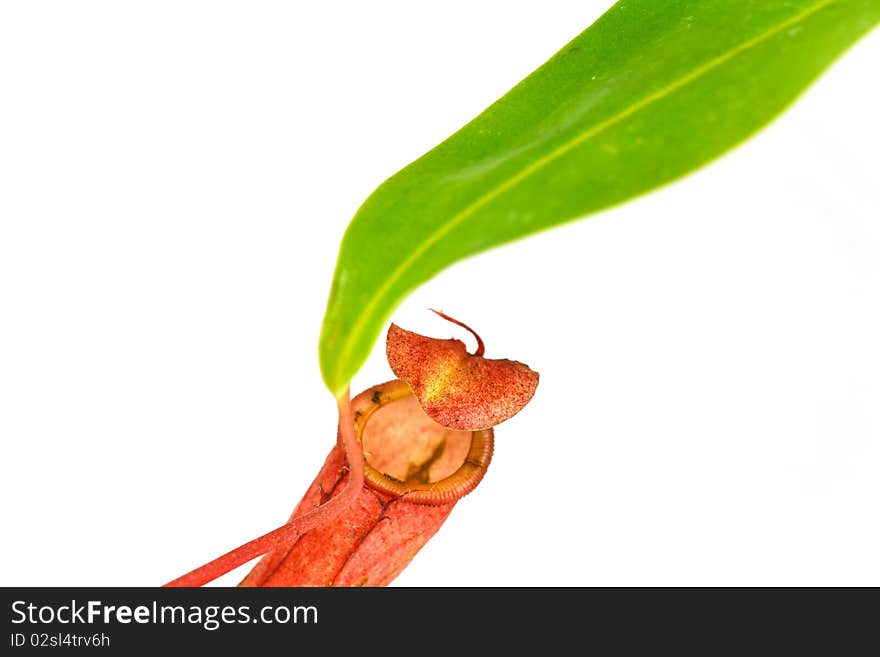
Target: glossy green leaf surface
{"points": [[648, 93]]}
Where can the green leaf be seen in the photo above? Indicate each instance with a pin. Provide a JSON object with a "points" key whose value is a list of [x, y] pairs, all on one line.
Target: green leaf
{"points": [[650, 92]]}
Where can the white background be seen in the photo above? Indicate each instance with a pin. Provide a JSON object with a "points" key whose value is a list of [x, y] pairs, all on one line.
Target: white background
{"points": [[175, 178]]}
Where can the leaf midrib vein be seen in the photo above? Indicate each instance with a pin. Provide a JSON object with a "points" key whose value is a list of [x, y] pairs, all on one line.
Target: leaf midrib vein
{"points": [[556, 153]]}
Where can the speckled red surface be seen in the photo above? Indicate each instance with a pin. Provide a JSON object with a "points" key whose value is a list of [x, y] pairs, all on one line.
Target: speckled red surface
{"points": [[457, 389]]}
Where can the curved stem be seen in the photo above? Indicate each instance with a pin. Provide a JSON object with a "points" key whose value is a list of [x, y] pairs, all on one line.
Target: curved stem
{"points": [[481, 348], [296, 527]]}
